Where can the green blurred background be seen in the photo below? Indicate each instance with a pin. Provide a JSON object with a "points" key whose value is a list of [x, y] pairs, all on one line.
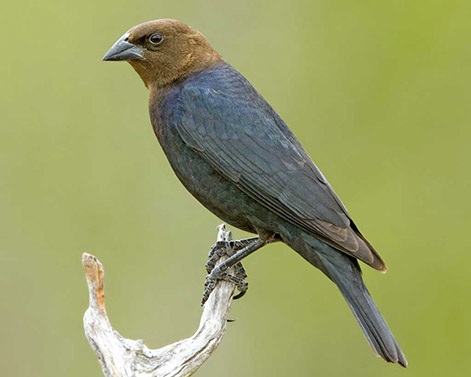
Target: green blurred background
{"points": [[379, 95]]}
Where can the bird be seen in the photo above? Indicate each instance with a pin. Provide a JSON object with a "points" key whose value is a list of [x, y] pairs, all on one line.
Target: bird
{"points": [[237, 157]]}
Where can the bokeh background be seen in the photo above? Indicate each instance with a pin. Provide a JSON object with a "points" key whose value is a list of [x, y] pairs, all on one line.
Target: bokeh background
{"points": [[379, 95]]}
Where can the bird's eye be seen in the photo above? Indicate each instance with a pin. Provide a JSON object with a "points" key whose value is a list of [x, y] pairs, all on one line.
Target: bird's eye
{"points": [[156, 39]]}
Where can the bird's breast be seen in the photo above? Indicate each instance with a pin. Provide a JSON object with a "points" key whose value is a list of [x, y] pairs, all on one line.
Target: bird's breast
{"points": [[216, 193]]}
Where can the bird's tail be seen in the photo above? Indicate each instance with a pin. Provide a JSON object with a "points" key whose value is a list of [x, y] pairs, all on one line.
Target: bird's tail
{"points": [[366, 312], [345, 272]]}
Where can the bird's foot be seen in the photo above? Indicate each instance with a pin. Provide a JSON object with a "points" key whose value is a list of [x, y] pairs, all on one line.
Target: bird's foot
{"points": [[216, 273], [226, 248]]}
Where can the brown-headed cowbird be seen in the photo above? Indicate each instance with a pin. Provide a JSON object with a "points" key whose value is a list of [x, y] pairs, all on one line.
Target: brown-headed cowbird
{"points": [[235, 154]]}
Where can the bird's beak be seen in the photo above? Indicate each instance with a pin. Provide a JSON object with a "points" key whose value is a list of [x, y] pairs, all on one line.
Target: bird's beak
{"points": [[123, 50]]}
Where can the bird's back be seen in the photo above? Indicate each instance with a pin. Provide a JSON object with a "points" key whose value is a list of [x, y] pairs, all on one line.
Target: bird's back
{"points": [[220, 116]]}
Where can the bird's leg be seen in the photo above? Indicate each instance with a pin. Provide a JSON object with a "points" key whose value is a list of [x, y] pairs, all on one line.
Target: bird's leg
{"points": [[229, 248], [220, 272]]}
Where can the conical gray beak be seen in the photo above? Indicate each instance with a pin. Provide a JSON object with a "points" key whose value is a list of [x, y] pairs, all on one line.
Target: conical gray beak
{"points": [[123, 50]]}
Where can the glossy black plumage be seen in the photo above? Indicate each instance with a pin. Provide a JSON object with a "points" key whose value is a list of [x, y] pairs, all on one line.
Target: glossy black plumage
{"points": [[234, 153], [226, 121], [237, 157]]}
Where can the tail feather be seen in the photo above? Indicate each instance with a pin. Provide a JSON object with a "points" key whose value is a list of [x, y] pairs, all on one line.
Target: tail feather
{"points": [[373, 325], [379, 336], [345, 272]]}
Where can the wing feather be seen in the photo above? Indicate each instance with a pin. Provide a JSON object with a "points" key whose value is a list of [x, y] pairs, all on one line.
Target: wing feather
{"points": [[250, 145]]}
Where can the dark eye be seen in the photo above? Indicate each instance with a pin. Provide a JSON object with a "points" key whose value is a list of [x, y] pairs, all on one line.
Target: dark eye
{"points": [[156, 39]]}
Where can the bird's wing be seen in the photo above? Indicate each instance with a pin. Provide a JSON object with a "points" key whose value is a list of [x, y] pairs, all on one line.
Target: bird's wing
{"points": [[251, 146]]}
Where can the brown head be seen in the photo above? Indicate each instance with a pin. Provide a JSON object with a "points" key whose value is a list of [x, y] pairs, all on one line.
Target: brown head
{"points": [[163, 51]]}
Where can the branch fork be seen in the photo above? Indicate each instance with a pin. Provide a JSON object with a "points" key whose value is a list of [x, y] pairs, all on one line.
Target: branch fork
{"points": [[121, 357]]}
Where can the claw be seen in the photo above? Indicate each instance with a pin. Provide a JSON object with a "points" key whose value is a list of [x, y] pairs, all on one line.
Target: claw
{"points": [[239, 295], [217, 273]]}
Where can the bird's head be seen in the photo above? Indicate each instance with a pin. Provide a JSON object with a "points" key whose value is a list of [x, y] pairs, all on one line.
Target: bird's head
{"points": [[163, 51]]}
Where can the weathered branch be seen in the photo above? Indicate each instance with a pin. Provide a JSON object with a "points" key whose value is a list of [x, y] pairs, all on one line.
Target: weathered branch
{"points": [[121, 357]]}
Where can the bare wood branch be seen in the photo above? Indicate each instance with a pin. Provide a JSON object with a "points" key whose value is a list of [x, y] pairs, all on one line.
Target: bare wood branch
{"points": [[121, 357]]}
